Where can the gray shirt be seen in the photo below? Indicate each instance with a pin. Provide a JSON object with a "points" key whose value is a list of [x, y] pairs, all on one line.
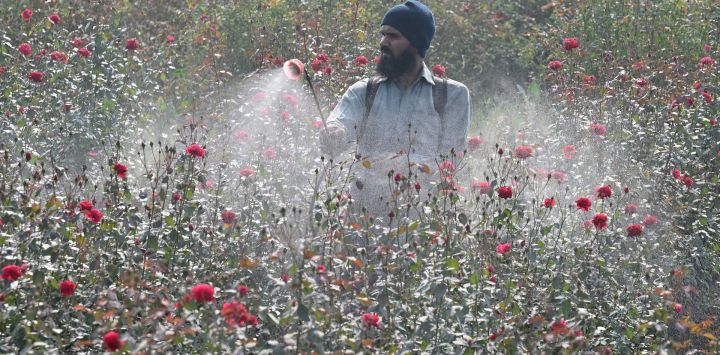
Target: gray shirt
{"points": [[405, 120], [402, 125]]}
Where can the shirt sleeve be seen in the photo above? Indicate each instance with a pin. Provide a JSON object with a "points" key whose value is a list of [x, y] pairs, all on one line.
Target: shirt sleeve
{"points": [[350, 111], [458, 111]]}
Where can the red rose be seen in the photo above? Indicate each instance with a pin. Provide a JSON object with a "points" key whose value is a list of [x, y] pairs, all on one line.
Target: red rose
{"points": [[67, 288], [438, 70], [706, 61], [603, 191], [676, 174], [25, 49], [641, 83], [203, 293], [371, 320], [523, 152], [590, 79], [321, 269], [170, 39], [36, 76], [291, 99], [600, 221], [77, 42], [446, 166], [493, 278], [228, 217], [247, 172], [559, 327], [120, 170], [26, 14], [327, 70], [500, 151], [483, 187], [631, 208], [361, 60], [54, 18], [316, 64], [649, 221], [243, 290], [236, 314], [112, 341], [570, 43], [713, 122], [678, 308], [696, 85], [474, 142], [323, 57], [504, 248], [132, 44], [634, 230], [708, 98], [94, 215], [85, 205], [399, 177], [688, 181], [554, 65], [59, 57], [569, 151], [176, 196], [707, 48], [549, 202], [583, 203], [11, 273], [195, 150], [269, 154], [84, 52], [505, 192], [598, 129]]}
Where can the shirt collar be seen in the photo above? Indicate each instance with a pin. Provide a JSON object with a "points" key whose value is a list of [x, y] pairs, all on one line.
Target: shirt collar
{"points": [[425, 73]]}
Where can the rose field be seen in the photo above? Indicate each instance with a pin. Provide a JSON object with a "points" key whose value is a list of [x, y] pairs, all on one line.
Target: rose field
{"points": [[162, 189]]}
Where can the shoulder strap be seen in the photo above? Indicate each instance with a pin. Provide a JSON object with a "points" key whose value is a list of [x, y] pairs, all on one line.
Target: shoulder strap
{"points": [[440, 95], [372, 87], [440, 101]]}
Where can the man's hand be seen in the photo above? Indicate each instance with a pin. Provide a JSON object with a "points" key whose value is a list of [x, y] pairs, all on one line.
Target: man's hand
{"points": [[332, 139]]}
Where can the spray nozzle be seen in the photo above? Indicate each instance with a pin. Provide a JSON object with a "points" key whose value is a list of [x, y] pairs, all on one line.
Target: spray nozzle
{"points": [[293, 69]]}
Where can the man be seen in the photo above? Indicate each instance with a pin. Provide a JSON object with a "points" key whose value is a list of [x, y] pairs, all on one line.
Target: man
{"points": [[404, 122]]}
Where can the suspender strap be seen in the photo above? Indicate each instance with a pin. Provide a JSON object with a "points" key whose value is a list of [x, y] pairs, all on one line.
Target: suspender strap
{"points": [[440, 96], [370, 92], [440, 101]]}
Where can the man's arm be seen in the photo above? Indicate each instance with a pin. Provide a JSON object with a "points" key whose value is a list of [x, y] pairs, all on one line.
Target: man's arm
{"points": [[344, 119], [458, 111]]}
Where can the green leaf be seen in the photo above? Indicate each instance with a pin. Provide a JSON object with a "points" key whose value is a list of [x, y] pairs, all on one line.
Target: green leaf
{"points": [[546, 230], [629, 332], [170, 221], [453, 264], [303, 313], [474, 279], [152, 242]]}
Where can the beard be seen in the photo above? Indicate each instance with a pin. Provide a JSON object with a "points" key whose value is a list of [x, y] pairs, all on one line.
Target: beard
{"points": [[393, 67]]}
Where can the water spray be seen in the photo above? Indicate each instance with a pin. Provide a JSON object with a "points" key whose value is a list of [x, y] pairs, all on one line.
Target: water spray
{"points": [[293, 69]]}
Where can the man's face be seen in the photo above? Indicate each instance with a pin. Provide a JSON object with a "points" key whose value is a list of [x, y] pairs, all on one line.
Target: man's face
{"points": [[397, 55]]}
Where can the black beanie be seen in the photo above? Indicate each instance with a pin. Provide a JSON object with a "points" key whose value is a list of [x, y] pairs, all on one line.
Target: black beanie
{"points": [[415, 21]]}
